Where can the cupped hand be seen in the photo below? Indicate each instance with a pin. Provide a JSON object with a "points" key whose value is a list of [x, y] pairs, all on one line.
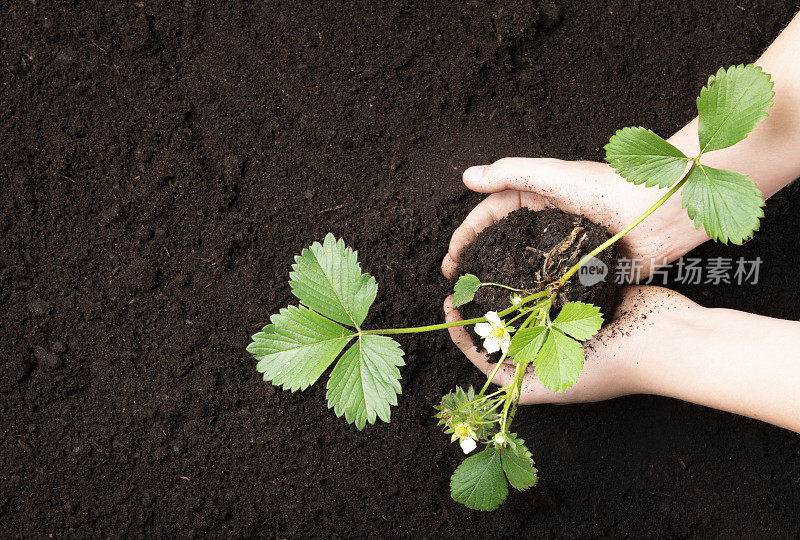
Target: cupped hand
{"points": [[578, 187], [645, 327]]}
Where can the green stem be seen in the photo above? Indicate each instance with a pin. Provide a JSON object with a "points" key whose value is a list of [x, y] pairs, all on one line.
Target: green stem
{"points": [[535, 311], [518, 374], [491, 377], [630, 227], [443, 326], [524, 301], [428, 328], [512, 397], [527, 322], [493, 407], [519, 396], [503, 286], [517, 316], [490, 396]]}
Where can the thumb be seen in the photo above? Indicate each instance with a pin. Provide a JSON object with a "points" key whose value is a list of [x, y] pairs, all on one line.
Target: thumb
{"points": [[544, 176]]}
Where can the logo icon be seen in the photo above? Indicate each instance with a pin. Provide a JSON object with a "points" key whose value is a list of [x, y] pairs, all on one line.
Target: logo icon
{"points": [[592, 272]]}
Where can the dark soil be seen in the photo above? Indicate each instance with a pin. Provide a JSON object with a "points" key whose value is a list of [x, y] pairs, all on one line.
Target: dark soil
{"points": [[529, 250], [162, 162]]}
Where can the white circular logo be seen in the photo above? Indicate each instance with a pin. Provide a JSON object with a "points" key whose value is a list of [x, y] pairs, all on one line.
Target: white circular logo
{"points": [[592, 272]]}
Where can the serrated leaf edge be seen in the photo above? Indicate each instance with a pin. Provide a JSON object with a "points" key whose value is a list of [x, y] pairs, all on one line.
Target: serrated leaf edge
{"points": [[715, 235], [347, 253], [496, 455], [462, 282], [359, 418], [712, 79], [616, 163], [560, 324]]}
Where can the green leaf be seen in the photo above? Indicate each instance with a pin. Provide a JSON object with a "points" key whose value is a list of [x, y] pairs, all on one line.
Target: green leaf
{"points": [[479, 483], [366, 381], [726, 203], [518, 465], [526, 343], [579, 320], [327, 278], [731, 104], [465, 289], [559, 362], [297, 347], [641, 156]]}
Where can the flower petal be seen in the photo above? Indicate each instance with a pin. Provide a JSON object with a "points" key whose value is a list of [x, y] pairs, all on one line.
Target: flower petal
{"points": [[493, 318], [468, 444], [504, 343], [483, 329], [491, 344]]}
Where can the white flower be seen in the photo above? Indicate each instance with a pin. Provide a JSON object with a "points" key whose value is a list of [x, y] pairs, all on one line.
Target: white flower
{"points": [[466, 436], [494, 333], [516, 299], [468, 444]]}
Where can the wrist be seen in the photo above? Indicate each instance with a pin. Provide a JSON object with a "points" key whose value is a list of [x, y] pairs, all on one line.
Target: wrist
{"points": [[676, 370], [735, 362], [679, 234], [667, 332]]}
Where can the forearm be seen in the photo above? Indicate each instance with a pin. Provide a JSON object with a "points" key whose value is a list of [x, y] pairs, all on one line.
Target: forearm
{"points": [[734, 361], [770, 155]]}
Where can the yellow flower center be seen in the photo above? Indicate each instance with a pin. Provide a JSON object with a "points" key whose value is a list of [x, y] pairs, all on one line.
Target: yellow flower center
{"points": [[499, 332], [462, 429]]}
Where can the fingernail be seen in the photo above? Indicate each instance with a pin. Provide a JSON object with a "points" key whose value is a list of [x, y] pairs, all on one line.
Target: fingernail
{"points": [[474, 174]]}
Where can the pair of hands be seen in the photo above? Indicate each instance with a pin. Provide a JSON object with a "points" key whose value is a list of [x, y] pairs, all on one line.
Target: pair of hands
{"points": [[646, 314]]}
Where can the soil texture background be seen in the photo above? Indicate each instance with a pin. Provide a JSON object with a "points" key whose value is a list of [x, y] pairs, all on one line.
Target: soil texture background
{"points": [[162, 162]]}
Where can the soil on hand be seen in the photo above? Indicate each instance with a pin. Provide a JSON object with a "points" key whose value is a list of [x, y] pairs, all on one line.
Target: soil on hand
{"points": [[162, 162], [529, 250]]}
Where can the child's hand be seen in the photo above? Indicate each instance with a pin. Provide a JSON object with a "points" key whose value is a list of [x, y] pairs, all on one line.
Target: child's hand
{"points": [[649, 319], [578, 187]]}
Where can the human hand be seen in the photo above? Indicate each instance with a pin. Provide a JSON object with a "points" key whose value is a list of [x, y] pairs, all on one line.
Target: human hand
{"points": [[578, 187], [646, 323]]}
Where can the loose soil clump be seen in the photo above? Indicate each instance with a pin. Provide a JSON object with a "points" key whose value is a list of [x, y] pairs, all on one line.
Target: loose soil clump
{"points": [[528, 250]]}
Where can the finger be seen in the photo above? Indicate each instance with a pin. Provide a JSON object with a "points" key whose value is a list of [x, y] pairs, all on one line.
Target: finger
{"points": [[545, 176], [464, 342], [572, 186], [488, 212]]}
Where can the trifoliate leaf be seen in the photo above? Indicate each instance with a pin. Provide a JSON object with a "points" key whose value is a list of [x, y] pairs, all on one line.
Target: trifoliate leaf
{"points": [[641, 156], [479, 482], [327, 278], [731, 104], [726, 203], [366, 381], [559, 362], [297, 347], [526, 343], [518, 465], [579, 320], [465, 289]]}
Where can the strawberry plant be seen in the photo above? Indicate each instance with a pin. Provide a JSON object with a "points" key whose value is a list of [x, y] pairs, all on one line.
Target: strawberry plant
{"points": [[301, 342]]}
